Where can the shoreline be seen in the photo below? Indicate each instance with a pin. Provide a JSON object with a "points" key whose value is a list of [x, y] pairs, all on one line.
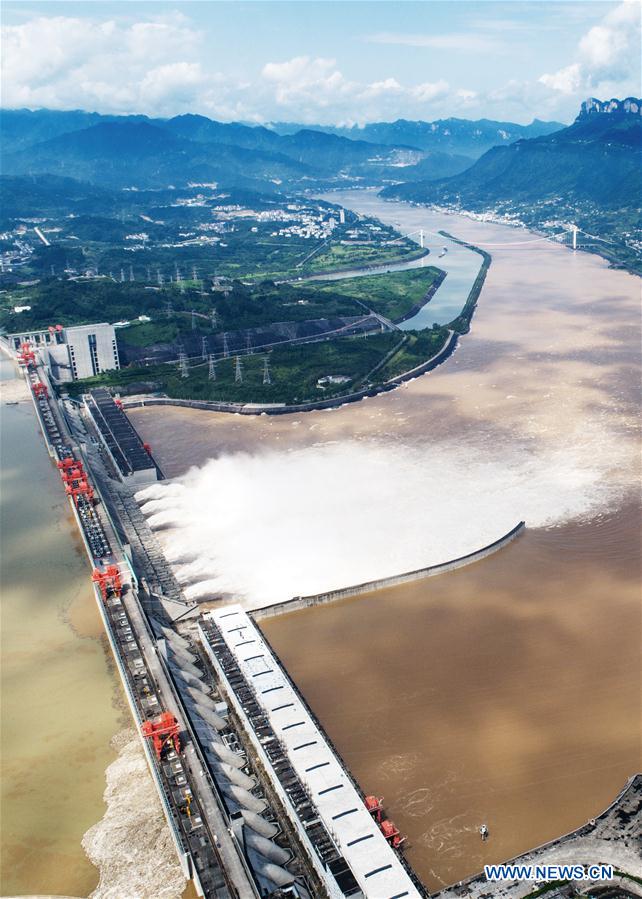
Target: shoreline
{"points": [[457, 327]]}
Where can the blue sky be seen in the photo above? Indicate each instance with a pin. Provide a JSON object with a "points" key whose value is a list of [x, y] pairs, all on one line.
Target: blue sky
{"points": [[322, 62]]}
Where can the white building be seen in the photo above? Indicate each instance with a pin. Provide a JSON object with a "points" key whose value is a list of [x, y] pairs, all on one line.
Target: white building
{"points": [[71, 353]]}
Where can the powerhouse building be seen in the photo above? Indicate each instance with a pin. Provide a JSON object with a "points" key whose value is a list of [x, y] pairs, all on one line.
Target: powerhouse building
{"points": [[70, 354]]}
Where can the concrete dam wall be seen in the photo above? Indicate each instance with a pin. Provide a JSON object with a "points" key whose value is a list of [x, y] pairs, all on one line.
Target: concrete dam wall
{"points": [[305, 602]]}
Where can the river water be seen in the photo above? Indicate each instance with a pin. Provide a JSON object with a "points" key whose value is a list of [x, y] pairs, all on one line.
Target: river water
{"points": [[75, 785], [506, 693], [460, 264], [60, 699]]}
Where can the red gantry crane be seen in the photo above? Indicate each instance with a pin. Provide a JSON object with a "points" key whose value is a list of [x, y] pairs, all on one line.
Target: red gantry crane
{"points": [[163, 731]]}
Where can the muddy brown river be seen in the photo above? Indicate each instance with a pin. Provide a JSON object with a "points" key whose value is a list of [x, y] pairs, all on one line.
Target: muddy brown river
{"points": [[508, 692]]}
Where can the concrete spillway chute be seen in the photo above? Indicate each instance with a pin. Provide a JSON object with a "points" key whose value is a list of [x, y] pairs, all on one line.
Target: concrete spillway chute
{"points": [[267, 848], [200, 694], [207, 714], [184, 679], [227, 755], [233, 775], [184, 666], [244, 798], [175, 639], [259, 824], [275, 873]]}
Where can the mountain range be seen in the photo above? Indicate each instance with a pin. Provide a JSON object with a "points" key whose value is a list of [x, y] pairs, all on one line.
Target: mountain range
{"points": [[460, 137], [122, 151], [136, 150], [597, 158]]}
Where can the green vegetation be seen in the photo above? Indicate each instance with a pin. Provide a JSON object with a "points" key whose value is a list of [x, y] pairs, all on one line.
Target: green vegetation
{"points": [[201, 262], [294, 370], [240, 306], [392, 294], [54, 301], [587, 173], [151, 333], [345, 256]]}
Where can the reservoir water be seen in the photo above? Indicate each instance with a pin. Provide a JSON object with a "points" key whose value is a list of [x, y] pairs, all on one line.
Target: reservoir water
{"points": [[506, 692]]}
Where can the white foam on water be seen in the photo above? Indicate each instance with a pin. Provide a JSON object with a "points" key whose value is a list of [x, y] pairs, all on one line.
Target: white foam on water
{"points": [[266, 527], [131, 845]]}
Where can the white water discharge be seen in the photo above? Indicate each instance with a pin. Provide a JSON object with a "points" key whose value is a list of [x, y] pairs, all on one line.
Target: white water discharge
{"points": [[131, 845], [263, 528]]}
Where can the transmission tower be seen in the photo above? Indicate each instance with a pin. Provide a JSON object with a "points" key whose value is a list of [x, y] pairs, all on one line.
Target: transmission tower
{"points": [[213, 317], [182, 364], [266, 371], [159, 278], [204, 348], [122, 275], [149, 274], [226, 349], [168, 306], [211, 371], [131, 272], [238, 371], [248, 343]]}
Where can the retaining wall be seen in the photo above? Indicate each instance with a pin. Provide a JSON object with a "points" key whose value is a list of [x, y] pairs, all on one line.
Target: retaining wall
{"points": [[305, 602]]}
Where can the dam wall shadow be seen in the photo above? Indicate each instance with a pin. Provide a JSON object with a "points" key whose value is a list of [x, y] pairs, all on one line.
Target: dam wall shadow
{"points": [[317, 599]]}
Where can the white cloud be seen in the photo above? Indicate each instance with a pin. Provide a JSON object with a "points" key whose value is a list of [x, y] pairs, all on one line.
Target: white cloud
{"points": [[164, 65], [608, 55], [303, 80], [465, 41], [66, 62], [430, 91], [567, 80]]}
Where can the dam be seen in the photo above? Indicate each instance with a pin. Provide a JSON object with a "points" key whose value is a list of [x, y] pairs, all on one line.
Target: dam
{"points": [[243, 816]]}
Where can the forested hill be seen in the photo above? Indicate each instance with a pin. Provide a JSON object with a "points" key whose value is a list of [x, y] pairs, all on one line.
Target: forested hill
{"points": [[588, 173]]}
